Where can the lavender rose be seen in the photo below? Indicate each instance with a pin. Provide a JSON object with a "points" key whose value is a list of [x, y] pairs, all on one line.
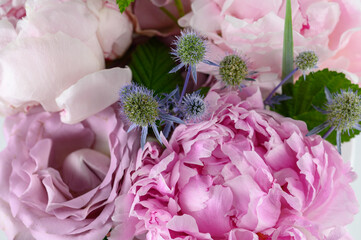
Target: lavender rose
{"points": [[59, 181], [245, 174]]}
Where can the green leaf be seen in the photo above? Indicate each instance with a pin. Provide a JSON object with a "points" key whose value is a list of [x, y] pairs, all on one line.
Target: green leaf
{"points": [[123, 4], [150, 65], [310, 92], [287, 59], [204, 91]]}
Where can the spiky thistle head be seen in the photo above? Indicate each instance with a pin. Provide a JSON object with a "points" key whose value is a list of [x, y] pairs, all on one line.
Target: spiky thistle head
{"points": [[343, 109], [233, 70], [343, 112], [190, 48], [306, 60], [193, 107], [139, 105]]}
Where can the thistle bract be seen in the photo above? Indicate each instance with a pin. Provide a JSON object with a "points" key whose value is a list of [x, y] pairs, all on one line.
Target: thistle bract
{"points": [[190, 48], [344, 110], [306, 61], [193, 106], [139, 105], [233, 70]]}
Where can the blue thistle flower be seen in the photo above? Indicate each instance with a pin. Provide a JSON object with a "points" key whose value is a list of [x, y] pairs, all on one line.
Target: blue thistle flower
{"points": [[193, 107], [142, 109], [305, 62], [233, 70], [343, 112], [190, 50]]}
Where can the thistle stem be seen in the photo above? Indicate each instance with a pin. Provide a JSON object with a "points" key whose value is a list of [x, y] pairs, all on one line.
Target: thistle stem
{"points": [[268, 99], [328, 132], [338, 141], [169, 14], [179, 5], [185, 84]]}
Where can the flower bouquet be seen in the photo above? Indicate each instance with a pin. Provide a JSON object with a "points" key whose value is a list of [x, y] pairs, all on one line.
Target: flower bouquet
{"points": [[177, 119]]}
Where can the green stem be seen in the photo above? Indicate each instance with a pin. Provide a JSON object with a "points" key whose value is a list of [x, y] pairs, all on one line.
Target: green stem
{"points": [[169, 14], [179, 5]]}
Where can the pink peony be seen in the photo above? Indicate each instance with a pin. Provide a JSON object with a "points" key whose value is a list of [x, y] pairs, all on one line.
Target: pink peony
{"points": [[12, 10], [56, 50], [59, 181], [330, 28], [246, 173]]}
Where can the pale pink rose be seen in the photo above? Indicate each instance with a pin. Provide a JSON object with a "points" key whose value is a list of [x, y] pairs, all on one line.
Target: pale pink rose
{"points": [[60, 181], [114, 29], [58, 51], [97, 23], [244, 174], [255, 28]]}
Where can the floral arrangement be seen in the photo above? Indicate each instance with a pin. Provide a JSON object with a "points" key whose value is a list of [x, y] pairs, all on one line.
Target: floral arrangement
{"points": [[178, 119]]}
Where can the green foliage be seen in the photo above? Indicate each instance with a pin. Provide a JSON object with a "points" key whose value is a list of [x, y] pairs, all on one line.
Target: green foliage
{"points": [[310, 92], [123, 4], [150, 65], [204, 91], [287, 59]]}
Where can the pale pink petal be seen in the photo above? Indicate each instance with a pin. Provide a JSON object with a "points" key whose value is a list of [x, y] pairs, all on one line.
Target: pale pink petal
{"points": [[339, 233], [322, 18], [114, 32], [13, 228], [52, 16], [7, 33], [68, 17], [214, 219], [351, 49], [187, 224], [349, 19], [49, 65], [92, 93], [85, 169], [195, 194], [240, 234], [251, 10]]}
